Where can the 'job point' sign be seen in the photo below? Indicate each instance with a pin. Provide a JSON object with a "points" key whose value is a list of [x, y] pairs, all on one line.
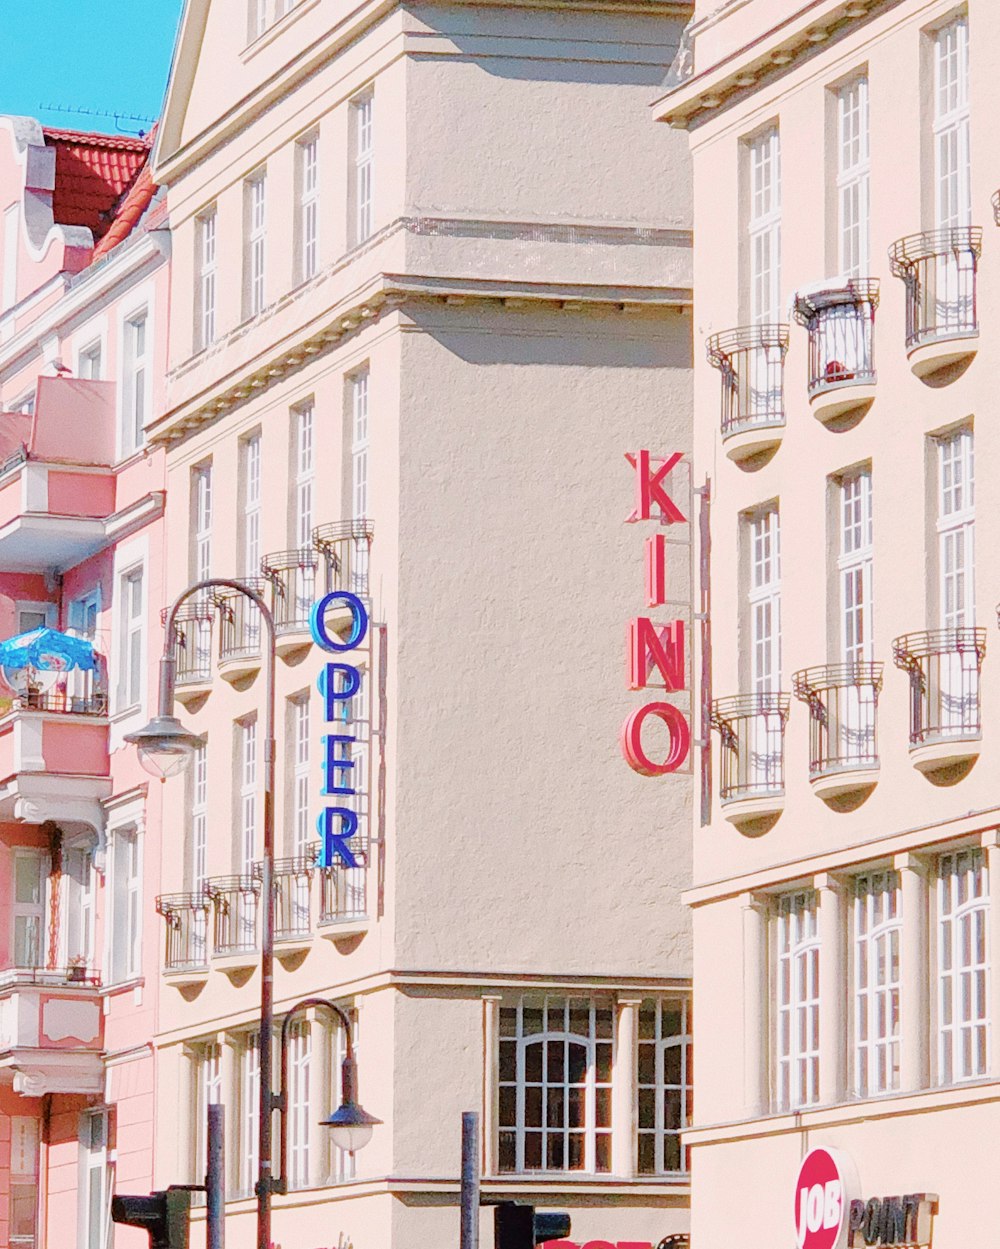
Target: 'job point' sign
{"points": [[826, 1185]]}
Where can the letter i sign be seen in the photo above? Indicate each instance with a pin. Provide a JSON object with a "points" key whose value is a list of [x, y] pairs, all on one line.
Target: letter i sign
{"points": [[823, 1194]]}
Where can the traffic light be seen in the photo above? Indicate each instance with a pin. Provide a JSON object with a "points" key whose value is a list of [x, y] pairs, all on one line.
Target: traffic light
{"points": [[517, 1226], [163, 1215]]}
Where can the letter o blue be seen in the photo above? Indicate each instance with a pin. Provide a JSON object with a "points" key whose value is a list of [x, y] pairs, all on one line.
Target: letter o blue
{"points": [[317, 621]]}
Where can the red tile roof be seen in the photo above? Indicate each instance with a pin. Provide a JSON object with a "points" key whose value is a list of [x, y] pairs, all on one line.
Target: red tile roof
{"points": [[93, 171], [135, 202]]}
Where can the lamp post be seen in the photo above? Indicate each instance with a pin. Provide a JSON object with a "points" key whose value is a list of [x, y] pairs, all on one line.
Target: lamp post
{"points": [[165, 748]]}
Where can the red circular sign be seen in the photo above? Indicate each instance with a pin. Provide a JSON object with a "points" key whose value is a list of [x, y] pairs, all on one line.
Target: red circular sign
{"points": [[823, 1194]]}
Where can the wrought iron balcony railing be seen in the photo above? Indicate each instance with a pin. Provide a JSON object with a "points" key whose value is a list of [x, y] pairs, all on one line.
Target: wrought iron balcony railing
{"points": [[344, 891], [843, 711], [346, 548], [751, 360], [186, 916], [939, 269], [752, 732], [77, 693], [944, 667], [193, 640], [235, 910], [292, 577], [293, 897], [841, 325], [239, 621]]}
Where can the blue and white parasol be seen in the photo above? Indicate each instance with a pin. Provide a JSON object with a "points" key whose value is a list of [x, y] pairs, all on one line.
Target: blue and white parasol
{"points": [[44, 651]]}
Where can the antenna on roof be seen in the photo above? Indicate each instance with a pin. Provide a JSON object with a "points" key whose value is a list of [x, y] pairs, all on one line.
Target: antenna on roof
{"points": [[118, 118]]}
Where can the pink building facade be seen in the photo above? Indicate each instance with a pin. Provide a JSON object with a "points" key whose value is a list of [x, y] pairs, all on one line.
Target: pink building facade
{"points": [[83, 306]]}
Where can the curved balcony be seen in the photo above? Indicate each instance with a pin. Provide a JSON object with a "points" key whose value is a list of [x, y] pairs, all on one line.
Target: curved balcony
{"points": [[240, 630], [939, 269], [346, 550], [343, 899], [751, 360], [944, 667], [51, 1031], [185, 956], [840, 321], [235, 910], [192, 648], [292, 578], [293, 930], [751, 728], [843, 726]]}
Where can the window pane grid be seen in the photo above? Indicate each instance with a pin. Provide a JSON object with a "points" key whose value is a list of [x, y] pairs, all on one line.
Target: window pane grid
{"points": [[207, 277], [877, 932], [664, 1086], [299, 1063], [363, 166], [765, 600], [855, 565], [853, 177], [764, 227], [256, 243], [956, 529], [963, 966], [248, 794], [309, 207], [951, 124], [798, 1001]]}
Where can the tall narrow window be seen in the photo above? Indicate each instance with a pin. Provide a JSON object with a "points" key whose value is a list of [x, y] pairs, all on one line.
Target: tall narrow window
{"points": [[207, 223], [956, 530], [853, 178], [665, 1086], [201, 557], [299, 1064], [256, 19], [28, 909], [797, 1040], [79, 885], [251, 505], [308, 206], [89, 363], [302, 422], [301, 824], [199, 816], [855, 566], [765, 601], [963, 966], [764, 227], [249, 1111], [248, 794], [362, 113], [556, 1059], [135, 370], [24, 1160], [131, 630], [126, 906], [209, 1093], [876, 909], [255, 258], [953, 184], [95, 1186], [359, 444]]}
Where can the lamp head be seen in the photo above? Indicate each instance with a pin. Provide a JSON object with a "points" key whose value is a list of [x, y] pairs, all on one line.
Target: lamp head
{"points": [[350, 1127], [165, 746]]}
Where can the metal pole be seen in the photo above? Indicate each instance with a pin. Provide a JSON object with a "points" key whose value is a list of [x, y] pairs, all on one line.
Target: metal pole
{"points": [[267, 1100], [470, 1180], [215, 1179]]}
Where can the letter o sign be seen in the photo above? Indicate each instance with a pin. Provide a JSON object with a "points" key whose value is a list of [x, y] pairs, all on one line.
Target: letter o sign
{"points": [[823, 1193]]}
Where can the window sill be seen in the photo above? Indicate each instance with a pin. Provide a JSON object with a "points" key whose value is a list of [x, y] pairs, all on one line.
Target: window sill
{"points": [[122, 986]]}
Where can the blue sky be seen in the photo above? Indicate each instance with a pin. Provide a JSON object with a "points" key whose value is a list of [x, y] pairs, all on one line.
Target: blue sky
{"points": [[109, 56]]}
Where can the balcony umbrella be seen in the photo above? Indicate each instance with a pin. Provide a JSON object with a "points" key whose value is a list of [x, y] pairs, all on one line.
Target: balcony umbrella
{"points": [[47, 650]]}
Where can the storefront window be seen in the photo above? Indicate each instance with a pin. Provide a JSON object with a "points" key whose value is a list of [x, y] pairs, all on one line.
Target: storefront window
{"points": [[664, 1086]]}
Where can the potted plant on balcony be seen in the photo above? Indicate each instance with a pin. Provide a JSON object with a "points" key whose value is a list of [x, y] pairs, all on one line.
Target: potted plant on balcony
{"points": [[77, 969]]}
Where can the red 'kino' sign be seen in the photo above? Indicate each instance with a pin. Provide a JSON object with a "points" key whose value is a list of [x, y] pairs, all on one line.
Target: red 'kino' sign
{"points": [[823, 1194], [655, 646]]}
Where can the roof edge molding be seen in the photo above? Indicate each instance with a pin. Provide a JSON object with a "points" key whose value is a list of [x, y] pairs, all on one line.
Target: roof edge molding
{"points": [[38, 160]]}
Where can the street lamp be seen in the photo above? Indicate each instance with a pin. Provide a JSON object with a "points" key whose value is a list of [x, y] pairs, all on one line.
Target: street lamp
{"points": [[165, 747], [350, 1124]]}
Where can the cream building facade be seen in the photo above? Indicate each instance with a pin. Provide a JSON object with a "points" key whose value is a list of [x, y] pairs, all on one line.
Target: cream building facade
{"points": [[431, 281], [846, 277]]}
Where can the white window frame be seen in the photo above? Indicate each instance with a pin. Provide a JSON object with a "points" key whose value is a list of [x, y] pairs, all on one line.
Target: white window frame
{"points": [[256, 19], [208, 1092], [963, 983], [360, 386], [668, 1055], [255, 250], [29, 910], [125, 903], [247, 763], [207, 226], [300, 1058], [797, 954], [956, 529], [90, 361], [301, 777], [853, 178], [363, 171], [764, 225], [250, 453], [304, 462], [49, 611], [80, 900], [876, 909], [952, 166], [131, 637], [249, 1102], [94, 1170], [764, 599], [855, 565], [136, 389], [25, 1159], [589, 1089], [308, 215]]}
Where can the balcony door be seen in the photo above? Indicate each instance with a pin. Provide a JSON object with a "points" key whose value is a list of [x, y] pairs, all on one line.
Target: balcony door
{"points": [[28, 947]]}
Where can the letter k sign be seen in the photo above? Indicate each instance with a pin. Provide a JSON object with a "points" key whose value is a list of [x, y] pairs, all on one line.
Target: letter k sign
{"points": [[649, 489]]}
